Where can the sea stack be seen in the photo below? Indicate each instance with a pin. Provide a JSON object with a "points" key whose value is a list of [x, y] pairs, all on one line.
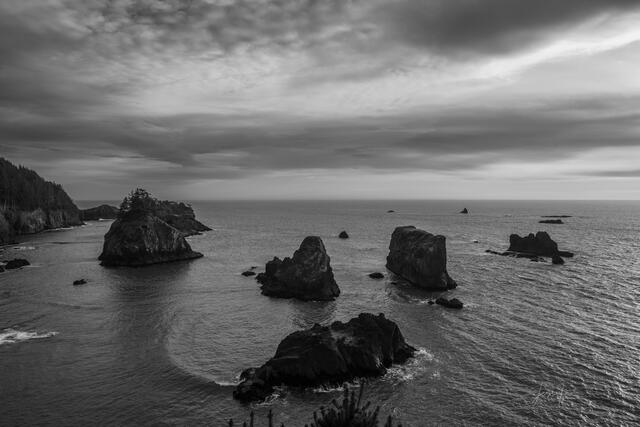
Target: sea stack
{"points": [[420, 258], [365, 346], [343, 235], [539, 244], [139, 237], [464, 211], [307, 276]]}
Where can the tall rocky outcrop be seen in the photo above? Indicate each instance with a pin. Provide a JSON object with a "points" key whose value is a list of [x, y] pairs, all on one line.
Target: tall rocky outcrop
{"points": [[306, 276], [140, 235], [365, 346], [29, 204], [420, 258], [540, 244]]}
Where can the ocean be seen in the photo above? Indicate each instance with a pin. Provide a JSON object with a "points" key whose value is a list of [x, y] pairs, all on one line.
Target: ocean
{"points": [[536, 343]]}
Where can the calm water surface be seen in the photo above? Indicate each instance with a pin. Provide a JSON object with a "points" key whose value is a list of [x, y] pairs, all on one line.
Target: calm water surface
{"points": [[536, 344]]}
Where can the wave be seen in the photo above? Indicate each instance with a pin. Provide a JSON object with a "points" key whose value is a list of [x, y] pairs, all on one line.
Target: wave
{"points": [[12, 336], [414, 367]]}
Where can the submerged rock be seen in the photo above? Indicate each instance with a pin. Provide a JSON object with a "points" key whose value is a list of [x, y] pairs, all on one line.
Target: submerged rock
{"points": [[420, 258], [363, 347], [390, 211], [376, 275], [556, 216], [16, 263], [79, 282], [450, 303], [557, 260], [99, 212], [144, 240], [307, 276], [464, 211], [248, 273], [551, 221], [343, 235]]}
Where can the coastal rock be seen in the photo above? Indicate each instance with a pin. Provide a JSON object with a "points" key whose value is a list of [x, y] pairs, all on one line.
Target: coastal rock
{"points": [[99, 212], [248, 273], [1, 269], [539, 244], [551, 221], [376, 275], [390, 211], [142, 240], [557, 260], [343, 235], [450, 303], [464, 211], [179, 216], [307, 276], [556, 216], [420, 258], [79, 282], [365, 346], [16, 263]]}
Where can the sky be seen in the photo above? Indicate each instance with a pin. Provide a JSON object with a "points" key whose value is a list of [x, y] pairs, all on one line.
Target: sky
{"points": [[324, 99]]}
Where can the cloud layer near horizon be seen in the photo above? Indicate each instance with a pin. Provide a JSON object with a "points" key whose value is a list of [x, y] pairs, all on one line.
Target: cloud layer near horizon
{"points": [[228, 98]]}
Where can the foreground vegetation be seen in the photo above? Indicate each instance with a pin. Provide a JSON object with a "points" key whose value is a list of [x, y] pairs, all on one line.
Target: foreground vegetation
{"points": [[349, 413]]}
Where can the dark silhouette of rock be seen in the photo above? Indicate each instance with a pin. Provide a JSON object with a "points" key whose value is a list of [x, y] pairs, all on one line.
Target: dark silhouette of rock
{"points": [[551, 221], [99, 212], [343, 235], [450, 303], [79, 282], [179, 216], [1, 269], [464, 211], [307, 276], [248, 273], [140, 237], [376, 275], [363, 347], [430, 302], [16, 263], [420, 258], [539, 244], [556, 259], [144, 240], [390, 211], [556, 216]]}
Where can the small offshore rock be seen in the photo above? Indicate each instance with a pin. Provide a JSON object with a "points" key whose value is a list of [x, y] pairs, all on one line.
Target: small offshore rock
{"points": [[79, 282], [390, 211], [450, 303], [16, 263], [551, 221], [376, 275], [430, 302], [248, 273], [343, 235], [557, 260], [464, 211]]}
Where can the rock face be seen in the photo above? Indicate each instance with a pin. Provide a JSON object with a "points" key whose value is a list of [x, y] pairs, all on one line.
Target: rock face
{"points": [[29, 204], [464, 211], [143, 240], [307, 276], [420, 258], [99, 212], [16, 263], [551, 221], [343, 235], [180, 216], [450, 303], [539, 244], [363, 347]]}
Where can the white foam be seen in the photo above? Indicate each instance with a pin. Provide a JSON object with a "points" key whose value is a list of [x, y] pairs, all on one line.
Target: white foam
{"points": [[415, 366], [23, 248], [11, 336]]}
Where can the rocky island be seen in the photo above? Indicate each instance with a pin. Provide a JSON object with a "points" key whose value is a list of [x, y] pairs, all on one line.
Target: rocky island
{"points": [[534, 247], [99, 212], [140, 236], [420, 258], [29, 204], [306, 276], [365, 346]]}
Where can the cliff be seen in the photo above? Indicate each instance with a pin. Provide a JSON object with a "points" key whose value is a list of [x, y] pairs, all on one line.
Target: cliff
{"points": [[29, 204]]}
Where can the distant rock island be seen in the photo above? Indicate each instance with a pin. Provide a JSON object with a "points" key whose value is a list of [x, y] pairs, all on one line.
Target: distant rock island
{"points": [[306, 276], [141, 236], [29, 204], [420, 258], [534, 247], [551, 221], [365, 346], [99, 212], [464, 211]]}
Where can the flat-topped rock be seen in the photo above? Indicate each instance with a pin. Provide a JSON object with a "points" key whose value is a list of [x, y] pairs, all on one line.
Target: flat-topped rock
{"points": [[420, 258], [16, 263], [306, 276], [365, 346], [450, 303], [551, 221], [539, 244]]}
